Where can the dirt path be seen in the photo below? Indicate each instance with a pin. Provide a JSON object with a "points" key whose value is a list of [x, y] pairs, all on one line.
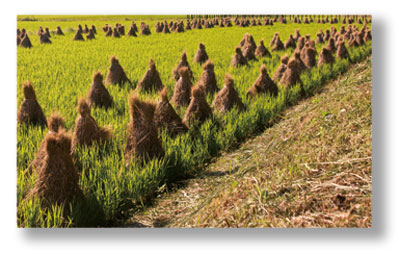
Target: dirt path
{"points": [[312, 168]]}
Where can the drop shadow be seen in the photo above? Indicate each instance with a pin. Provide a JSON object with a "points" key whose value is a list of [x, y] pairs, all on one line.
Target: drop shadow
{"points": [[379, 119]]}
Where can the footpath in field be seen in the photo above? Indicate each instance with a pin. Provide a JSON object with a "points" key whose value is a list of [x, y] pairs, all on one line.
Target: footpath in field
{"points": [[312, 168]]}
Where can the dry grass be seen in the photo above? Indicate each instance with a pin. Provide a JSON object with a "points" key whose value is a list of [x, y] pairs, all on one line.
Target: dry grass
{"points": [[313, 168]]}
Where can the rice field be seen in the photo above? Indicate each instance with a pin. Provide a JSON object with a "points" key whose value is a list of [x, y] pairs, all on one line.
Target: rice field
{"points": [[61, 73]]}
